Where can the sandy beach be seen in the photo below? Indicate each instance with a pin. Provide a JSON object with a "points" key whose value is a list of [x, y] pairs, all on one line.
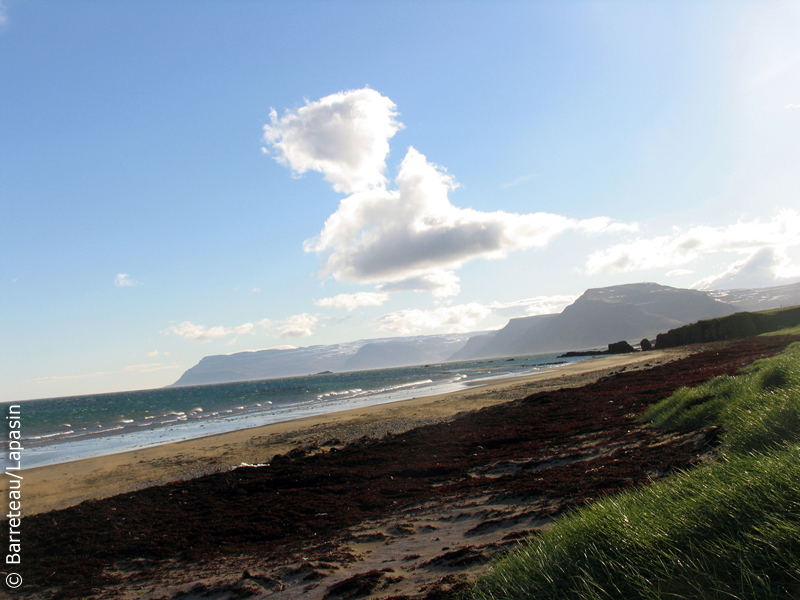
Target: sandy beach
{"points": [[66, 484]]}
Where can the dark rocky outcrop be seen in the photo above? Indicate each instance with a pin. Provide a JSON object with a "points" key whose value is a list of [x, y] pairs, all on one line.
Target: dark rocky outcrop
{"points": [[738, 325], [621, 347]]}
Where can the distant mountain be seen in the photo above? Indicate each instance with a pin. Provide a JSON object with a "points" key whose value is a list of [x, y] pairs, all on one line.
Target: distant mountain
{"points": [[600, 316], [503, 342], [352, 356], [403, 352], [761, 299]]}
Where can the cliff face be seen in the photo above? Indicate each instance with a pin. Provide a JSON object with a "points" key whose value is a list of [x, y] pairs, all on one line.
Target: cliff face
{"points": [[738, 325], [507, 341], [598, 317], [352, 356], [403, 352]]}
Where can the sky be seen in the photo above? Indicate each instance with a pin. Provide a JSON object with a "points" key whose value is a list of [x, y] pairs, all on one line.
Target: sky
{"points": [[183, 179]]}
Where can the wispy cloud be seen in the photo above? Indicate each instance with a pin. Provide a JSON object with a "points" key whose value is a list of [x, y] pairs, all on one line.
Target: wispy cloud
{"points": [[302, 325], [440, 284], [124, 280], [684, 246], [764, 245], [149, 368], [520, 180], [540, 305], [3, 15], [447, 319], [776, 68], [411, 236], [792, 106], [189, 331], [351, 302], [143, 368]]}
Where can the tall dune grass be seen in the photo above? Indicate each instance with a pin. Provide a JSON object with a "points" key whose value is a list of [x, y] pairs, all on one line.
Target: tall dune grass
{"points": [[757, 410], [729, 529]]}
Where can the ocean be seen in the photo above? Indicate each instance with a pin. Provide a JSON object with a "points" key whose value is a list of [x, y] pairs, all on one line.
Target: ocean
{"points": [[57, 430]]}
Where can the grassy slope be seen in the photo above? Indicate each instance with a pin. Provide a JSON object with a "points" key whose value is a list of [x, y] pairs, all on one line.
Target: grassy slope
{"points": [[730, 529]]}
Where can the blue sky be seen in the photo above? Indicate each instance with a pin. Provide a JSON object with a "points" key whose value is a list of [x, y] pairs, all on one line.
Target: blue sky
{"points": [[181, 179]]}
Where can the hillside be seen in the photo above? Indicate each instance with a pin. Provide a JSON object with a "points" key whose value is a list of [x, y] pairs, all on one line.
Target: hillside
{"points": [[760, 299], [738, 325], [600, 316], [351, 356]]}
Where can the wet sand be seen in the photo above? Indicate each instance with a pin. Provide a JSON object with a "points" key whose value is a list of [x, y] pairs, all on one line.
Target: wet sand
{"points": [[66, 484]]}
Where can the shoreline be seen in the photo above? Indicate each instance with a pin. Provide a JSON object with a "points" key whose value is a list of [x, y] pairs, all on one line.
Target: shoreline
{"points": [[66, 484]]}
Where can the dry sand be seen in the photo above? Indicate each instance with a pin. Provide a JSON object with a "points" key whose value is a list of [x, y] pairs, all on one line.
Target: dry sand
{"points": [[67, 484]]}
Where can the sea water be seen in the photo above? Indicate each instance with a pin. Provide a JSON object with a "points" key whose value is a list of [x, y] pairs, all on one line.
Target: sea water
{"points": [[58, 430]]}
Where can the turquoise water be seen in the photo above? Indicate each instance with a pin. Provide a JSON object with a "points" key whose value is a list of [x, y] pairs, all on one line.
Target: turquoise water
{"points": [[62, 429]]}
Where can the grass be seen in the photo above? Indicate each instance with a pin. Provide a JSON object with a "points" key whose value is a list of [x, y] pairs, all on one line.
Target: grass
{"points": [[729, 529], [758, 409]]}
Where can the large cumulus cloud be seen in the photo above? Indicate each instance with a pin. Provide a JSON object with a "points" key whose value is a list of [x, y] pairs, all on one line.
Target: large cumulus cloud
{"points": [[408, 236]]}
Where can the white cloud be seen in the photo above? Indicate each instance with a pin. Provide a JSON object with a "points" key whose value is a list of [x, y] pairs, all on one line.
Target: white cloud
{"points": [[144, 368], [414, 233], [124, 280], [282, 347], [353, 301], [447, 319], [409, 237], [440, 284], [345, 136], [683, 247], [149, 368], [763, 268], [792, 106], [157, 353], [295, 326], [299, 326], [541, 305], [678, 272], [189, 331]]}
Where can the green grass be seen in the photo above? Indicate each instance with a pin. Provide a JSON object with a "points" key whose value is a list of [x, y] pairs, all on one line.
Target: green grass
{"points": [[729, 529], [788, 331], [757, 409]]}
